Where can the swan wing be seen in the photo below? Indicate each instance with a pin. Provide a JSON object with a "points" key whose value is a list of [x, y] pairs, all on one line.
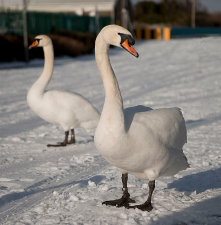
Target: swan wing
{"points": [[71, 104], [167, 124]]}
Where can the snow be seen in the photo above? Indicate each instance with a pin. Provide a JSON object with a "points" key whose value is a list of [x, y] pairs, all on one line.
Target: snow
{"points": [[40, 185]]}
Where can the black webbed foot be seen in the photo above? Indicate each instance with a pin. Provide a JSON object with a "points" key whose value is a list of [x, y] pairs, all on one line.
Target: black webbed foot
{"points": [[122, 202], [59, 144], [147, 206]]}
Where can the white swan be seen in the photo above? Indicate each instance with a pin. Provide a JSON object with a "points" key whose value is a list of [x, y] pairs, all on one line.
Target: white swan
{"points": [[144, 142], [70, 110]]}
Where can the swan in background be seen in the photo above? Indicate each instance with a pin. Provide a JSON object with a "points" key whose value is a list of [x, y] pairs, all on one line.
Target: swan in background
{"points": [[138, 140], [70, 110]]}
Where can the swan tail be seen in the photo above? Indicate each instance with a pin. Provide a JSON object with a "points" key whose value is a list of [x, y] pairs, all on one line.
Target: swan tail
{"points": [[179, 163]]}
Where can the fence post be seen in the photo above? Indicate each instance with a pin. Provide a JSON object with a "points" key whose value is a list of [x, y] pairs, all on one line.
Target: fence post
{"points": [[97, 21], [193, 13], [138, 34], [157, 33], [166, 33], [25, 34], [147, 34]]}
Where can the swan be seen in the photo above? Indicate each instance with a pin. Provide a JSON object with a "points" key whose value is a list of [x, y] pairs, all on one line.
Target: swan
{"points": [[144, 142], [68, 109]]}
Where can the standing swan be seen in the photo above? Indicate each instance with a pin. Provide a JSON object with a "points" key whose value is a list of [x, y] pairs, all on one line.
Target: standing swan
{"points": [[70, 110], [138, 140]]}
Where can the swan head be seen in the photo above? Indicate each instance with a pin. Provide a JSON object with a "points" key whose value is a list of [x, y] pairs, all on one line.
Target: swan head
{"points": [[120, 37], [40, 41]]}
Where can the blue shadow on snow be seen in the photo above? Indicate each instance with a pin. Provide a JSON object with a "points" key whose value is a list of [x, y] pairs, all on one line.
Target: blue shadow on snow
{"points": [[198, 182]]}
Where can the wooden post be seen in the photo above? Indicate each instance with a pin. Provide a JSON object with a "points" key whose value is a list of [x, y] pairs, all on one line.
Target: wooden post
{"points": [[157, 34], [122, 13], [193, 13], [118, 22], [25, 33], [113, 15], [97, 21], [147, 33], [138, 34], [166, 33]]}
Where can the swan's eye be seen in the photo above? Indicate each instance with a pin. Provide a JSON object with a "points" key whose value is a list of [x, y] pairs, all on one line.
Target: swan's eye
{"points": [[128, 37], [37, 39]]}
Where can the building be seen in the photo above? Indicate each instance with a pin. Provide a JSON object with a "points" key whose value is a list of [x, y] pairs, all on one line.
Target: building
{"points": [[79, 7]]}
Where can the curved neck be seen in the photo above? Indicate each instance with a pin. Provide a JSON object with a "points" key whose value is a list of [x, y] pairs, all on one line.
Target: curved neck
{"points": [[45, 77], [113, 106]]}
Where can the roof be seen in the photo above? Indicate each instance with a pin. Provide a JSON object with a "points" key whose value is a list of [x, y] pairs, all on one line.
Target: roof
{"points": [[77, 6], [31, 2]]}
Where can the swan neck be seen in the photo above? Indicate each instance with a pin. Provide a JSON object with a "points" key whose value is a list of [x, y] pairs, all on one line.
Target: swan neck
{"points": [[113, 105], [48, 64], [40, 85]]}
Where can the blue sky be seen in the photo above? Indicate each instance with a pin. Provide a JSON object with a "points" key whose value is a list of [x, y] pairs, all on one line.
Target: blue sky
{"points": [[212, 5]]}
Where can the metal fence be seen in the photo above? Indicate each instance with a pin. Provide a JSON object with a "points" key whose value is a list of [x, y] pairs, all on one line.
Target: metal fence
{"points": [[44, 23], [196, 32]]}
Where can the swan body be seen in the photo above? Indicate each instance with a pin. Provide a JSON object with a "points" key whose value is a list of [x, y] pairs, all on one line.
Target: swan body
{"points": [[68, 109], [151, 145], [138, 140]]}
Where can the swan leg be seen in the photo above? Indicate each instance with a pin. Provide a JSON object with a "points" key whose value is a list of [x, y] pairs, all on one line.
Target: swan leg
{"points": [[72, 141], [60, 144], [146, 206], [125, 199]]}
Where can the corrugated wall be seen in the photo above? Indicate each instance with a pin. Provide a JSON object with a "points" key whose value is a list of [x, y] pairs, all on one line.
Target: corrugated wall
{"points": [[44, 23]]}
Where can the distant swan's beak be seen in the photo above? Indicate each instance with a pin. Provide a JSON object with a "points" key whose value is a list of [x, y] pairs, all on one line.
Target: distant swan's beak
{"points": [[129, 48], [34, 44]]}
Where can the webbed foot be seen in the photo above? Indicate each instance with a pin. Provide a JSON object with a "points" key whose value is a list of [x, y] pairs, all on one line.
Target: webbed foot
{"points": [[59, 144], [122, 202], [147, 206]]}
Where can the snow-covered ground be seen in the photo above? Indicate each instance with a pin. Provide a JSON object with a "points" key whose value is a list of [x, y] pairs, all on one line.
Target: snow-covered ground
{"points": [[40, 185]]}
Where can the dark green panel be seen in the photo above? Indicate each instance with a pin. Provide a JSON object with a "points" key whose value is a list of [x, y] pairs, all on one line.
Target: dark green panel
{"points": [[44, 23]]}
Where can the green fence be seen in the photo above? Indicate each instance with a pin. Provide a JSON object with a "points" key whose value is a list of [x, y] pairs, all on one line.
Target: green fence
{"points": [[11, 22], [44, 23]]}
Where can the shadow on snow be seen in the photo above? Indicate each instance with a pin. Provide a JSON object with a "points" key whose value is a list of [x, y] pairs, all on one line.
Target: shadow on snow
{"points": [[203, 122], [199, 182], [34, 189], [201, 213]]}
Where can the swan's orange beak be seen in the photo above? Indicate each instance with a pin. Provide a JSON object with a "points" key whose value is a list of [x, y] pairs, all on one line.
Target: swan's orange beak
{"points": [[129, 48], [34, 44]]}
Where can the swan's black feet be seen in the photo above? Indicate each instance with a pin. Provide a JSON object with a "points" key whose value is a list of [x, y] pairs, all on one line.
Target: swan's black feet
{"points": [[144, 207], [65, 142], [72, 141], [122, 202], [59, 144]]}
